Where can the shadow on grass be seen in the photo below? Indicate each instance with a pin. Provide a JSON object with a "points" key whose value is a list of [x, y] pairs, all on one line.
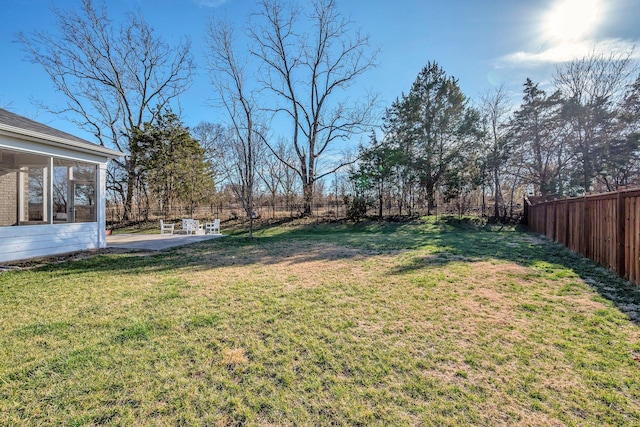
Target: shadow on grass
{"points": [[448, 240], [467, 243]]}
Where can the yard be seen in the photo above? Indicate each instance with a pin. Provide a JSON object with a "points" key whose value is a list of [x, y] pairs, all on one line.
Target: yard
{"points": [[431, 323]]}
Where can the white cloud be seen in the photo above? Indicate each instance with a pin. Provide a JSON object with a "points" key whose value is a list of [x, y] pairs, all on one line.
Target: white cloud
{"points": [[568, 51], [210, 3]]}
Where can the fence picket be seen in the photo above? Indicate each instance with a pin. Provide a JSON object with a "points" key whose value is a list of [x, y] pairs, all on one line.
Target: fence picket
{"points": [[603, 227], [636, 247]]}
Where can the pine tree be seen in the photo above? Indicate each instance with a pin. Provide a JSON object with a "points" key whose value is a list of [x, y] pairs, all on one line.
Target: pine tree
{"points": [[435, 126], [172, 163], [537, 131]]}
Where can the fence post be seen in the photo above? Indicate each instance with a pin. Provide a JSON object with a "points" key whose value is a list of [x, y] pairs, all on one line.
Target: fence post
{"points": [[586, 233], [544, 218], [554, 221], [567, 228], [620, 217]]}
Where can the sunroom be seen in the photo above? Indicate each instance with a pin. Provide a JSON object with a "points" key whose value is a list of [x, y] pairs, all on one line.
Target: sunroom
{"points": [[52, 190]]}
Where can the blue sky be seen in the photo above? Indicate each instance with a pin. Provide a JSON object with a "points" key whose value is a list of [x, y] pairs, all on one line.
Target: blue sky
{"points": [[482, 43]]}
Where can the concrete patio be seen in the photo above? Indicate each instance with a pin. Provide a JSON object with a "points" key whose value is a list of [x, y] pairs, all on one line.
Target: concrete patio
{"points": [[155, 242]]}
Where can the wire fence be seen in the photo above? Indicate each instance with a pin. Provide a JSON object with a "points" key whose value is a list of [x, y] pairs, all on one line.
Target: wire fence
{"points": [[329, 210]]}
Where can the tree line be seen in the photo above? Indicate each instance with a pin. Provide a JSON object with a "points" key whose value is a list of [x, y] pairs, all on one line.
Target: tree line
{"points": [[294, 64], [581, 137]]}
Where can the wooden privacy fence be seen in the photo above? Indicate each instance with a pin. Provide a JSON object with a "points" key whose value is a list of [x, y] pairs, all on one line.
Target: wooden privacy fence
{"points": [[603, 227]]}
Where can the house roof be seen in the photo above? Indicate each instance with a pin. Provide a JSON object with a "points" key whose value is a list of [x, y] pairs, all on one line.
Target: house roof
{"points": [[12, 124]]}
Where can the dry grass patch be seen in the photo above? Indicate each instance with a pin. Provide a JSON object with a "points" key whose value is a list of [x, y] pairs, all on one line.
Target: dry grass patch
{"points": [[233, 357]]}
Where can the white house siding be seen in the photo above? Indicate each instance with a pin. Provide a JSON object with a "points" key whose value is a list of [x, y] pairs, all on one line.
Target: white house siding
{"points": [[29, 241]]}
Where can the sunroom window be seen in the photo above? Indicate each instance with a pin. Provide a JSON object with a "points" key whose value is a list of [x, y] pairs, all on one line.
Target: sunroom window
{"points": [[36, 189]]}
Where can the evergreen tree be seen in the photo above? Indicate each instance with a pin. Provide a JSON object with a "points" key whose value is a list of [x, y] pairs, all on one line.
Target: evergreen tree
{"points": [[378, 169], [172, 163], [537, 131], [434, 126]]}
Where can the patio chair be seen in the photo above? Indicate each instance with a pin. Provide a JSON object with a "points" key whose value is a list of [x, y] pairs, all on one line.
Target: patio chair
{"points": [[169, 227], [212, 227]]}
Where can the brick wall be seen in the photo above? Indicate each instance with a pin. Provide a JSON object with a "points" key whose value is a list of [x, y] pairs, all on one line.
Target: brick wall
{"points": [[8, 199]]}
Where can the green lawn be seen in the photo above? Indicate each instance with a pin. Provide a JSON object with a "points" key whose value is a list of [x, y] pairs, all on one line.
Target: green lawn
{"points": [[406, 324]]}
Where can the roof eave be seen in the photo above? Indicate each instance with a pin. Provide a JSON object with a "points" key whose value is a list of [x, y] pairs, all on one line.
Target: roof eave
{"points": [[85, 147]]}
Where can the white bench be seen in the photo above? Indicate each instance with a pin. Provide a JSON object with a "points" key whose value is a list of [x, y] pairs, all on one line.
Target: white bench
{"points": [[168, 227], [192, 226]]}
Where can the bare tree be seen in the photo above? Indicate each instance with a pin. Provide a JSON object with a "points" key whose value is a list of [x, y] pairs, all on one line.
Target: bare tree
{"points": [[290, 181], [621, 165], [273, 174], [212, 138], [592, 88], [5, 105], [308, 62], [495, 107], [113, 77], [244, 144]]}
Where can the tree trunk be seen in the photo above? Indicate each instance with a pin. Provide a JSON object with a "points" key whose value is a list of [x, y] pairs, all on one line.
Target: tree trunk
{"points": [[308, 198], [484, 190], [430, 197], [496, 194], [251, 217], [128, 203]]}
